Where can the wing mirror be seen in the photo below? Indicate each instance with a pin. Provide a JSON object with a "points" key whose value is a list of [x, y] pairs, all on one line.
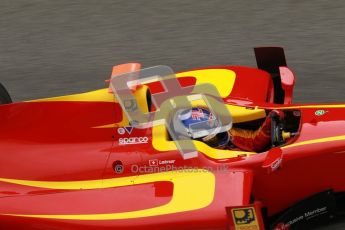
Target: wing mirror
{"points": [[274, 159]]}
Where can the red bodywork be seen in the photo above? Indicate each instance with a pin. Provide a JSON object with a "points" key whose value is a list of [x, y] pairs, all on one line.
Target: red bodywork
{"points": [[56, 141]]}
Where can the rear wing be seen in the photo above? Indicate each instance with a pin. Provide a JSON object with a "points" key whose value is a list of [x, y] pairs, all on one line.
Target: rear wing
{"points": [[4, 96], [272, 60]]}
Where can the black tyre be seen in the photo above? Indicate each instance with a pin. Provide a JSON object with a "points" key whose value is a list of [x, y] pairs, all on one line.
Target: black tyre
{"points": [[4, 96]]}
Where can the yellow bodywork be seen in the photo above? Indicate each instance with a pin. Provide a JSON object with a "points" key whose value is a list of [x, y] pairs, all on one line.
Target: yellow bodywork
{"points": [[193, 189], [222, 79]]}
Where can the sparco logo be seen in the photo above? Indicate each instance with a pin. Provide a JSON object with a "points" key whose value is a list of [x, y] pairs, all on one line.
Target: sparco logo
{"points": [[133, 140]]}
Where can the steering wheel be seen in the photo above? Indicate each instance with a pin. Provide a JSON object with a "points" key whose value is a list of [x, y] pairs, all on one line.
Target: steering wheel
{"points": [[276, 130]]}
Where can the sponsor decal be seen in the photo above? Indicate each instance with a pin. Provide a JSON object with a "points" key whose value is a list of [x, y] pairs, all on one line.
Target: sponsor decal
{"points": [[320, 112], [129, 129], [304, 217], [121, 131], [245, 219], [164, 162], [153, 162], [275, 165], [126, 129], [308, 213], [133, 140], [197, 114], [156, 162]]}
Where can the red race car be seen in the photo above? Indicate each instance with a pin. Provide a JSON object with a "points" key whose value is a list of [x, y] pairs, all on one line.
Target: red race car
{"points": [[240, 156]]}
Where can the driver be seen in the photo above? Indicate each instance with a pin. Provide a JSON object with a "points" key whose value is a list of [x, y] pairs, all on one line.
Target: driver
{"points": [[200, 124]]}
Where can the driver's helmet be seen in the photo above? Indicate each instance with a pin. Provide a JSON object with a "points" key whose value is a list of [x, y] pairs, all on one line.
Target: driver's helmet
{"points": [[200, 124]]}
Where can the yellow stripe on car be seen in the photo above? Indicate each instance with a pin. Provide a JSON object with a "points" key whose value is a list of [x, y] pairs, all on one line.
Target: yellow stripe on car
{"points": [[215, 77], [316, 141], [161, 142], [193, 190], [100, 95]]}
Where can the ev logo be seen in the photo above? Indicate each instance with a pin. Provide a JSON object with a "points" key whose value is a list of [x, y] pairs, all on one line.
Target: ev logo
{"points": [[121, 131], [129, 129], [126, 129]]}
